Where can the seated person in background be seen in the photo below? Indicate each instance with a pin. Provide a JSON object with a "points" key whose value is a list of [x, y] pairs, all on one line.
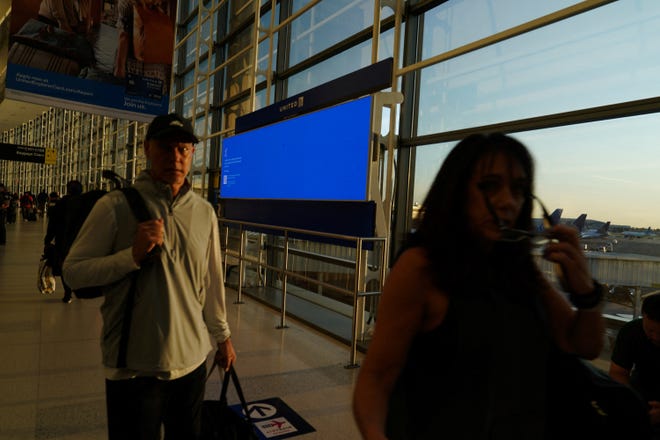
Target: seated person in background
{"points": [[635, 359], [68, 15]]}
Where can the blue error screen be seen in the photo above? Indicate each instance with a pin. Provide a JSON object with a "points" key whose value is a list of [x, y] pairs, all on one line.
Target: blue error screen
{"points": [[323, 155]]}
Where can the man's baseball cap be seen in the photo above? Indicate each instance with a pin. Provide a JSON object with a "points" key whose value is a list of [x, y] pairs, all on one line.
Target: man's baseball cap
{"points": [[171, 126]]}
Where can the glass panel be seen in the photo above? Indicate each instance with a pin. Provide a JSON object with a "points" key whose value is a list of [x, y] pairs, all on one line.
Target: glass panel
{"points": [[188, 100], [326, 24], [188, 79], [240, 11], [230, 113], [597, 58], [454, 24], [262, 62], [237, 72], [191, 26], [260, 98], [265, 19], [298, 4], [205, 34], [346, 62], [190, 51], [580, 170]]}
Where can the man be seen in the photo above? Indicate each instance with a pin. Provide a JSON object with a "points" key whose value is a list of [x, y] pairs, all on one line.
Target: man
{"points": [[179, 296], [57, 223], [42, 199], [53, 198], [635, 360], [27, 206]]}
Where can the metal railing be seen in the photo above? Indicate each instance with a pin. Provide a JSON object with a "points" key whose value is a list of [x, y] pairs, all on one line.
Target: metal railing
{"points": [[358, 291]]}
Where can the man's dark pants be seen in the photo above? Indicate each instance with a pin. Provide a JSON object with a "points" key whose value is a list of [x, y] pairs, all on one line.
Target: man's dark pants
{"points": [[137, 407]]}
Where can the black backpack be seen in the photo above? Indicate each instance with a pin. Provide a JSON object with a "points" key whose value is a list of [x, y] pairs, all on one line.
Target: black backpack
{"points": [[79, 208]]}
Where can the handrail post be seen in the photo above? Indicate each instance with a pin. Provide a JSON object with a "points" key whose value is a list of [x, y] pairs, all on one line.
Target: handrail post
{"points": [[285, 272], [241, 265], [356, 304], [637, 302], [224, 260]]}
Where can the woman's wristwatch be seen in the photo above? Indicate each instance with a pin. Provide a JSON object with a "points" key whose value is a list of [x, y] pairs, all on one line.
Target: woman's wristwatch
{"points": [[590, 300]]}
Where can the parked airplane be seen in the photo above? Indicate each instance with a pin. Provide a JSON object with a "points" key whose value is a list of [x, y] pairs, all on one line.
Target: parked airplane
{"points": [[555, 217], [596, 239], [579, 222], [639, 234], [596, 233]]}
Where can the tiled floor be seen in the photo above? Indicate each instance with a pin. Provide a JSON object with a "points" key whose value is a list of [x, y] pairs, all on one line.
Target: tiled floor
{"points": [[51, 381]]}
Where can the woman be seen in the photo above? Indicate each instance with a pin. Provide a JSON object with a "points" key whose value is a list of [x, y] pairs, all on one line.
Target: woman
{"points": [[466, 319]]}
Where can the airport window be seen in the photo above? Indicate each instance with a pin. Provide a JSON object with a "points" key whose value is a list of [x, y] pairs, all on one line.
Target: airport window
{"points": [[585, 61], [237, 70], [204, 35], [454, 24], [606, 170], [262, 62], [341, 64], [326, 24], [240, 10], [191, 26]]}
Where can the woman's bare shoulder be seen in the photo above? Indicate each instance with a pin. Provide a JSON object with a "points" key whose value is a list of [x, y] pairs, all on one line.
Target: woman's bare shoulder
{"points": [[411, 268], [415, 257], [411, 274]]}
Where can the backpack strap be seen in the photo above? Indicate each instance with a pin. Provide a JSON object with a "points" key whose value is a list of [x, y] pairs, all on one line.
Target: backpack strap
{"points": [[141, 213], [137, 204]]}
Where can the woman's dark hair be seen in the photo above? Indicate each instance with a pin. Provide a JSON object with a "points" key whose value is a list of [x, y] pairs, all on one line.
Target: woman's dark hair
{"points": [[444, 228]]}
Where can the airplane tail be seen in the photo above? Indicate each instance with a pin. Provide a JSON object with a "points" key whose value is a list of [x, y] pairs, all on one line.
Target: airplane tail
{"points": [[555, 217], [548, 221], [603, 229], [579, 222]]}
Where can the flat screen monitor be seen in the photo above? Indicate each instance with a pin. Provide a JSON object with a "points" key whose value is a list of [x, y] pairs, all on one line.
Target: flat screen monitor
{"points": [[323, 155]]}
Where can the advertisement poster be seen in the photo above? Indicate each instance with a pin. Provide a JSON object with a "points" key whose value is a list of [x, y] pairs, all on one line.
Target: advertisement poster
{"points": [[108, 57]]}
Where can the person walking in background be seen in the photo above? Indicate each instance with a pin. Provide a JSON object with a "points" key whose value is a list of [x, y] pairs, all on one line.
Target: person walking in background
{"points": [[13, 208], [53, 198], [466, 321], [56, 230], [27, 207], [42, 199], [5, 204], [635, 359], [180, 296]]}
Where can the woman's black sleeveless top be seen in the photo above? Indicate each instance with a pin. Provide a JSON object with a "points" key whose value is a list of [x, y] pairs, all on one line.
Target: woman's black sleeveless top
{"points": [[481, 374]]}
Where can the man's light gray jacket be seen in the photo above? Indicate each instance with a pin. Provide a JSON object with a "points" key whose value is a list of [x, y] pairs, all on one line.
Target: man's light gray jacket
{"points": [[180, 298]]}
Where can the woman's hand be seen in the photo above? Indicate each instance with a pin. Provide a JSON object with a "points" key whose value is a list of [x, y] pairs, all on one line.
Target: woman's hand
{"points": [[565, 250]]}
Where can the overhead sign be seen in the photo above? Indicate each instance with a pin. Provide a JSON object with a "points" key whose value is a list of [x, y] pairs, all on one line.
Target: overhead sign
{"points": [[75, 55], [51, 156], [23, 153], [274, 419]]}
